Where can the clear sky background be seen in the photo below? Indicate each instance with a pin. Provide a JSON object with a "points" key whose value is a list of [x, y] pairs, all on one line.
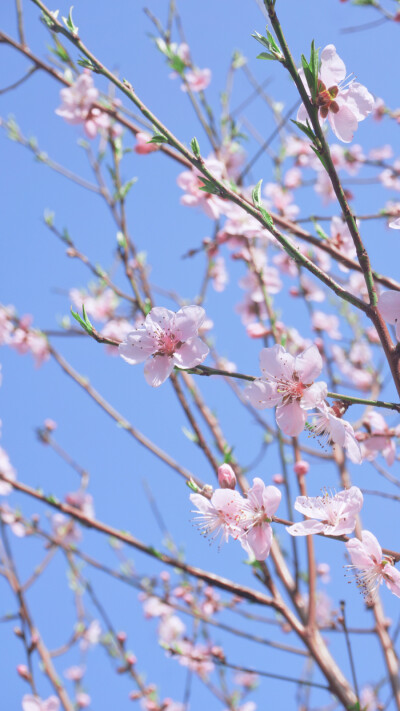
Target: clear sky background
{"points": [[35, 276]]}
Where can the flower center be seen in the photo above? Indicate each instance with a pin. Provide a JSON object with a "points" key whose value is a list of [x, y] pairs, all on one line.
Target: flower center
{"points": [[326, 99]]}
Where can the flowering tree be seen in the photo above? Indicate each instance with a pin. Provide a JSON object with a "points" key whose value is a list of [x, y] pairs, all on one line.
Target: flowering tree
{"points": [[267, 409]]}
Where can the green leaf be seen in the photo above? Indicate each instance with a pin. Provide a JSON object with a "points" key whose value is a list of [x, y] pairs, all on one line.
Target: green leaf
{"points": [[193, 486], [238, 60], [321, 157], [88, 64], [256, 194], [124, 189], [314, 69], [59, 51], [265, 55], [158, 138], [84, 322], [69, 23], [147, 307], [47, 20], [274, 47], [177, 64], [267, 217], [194, 144], [262, 40], [209, 187], [320, 232], [306, 129]]}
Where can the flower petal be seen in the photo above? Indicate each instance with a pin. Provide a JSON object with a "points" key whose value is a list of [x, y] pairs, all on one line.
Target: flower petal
{"points": [[291, 418], [391, 577], [188, 321], [305, 528], [314, 395], [191, 353], [344, 123], [137, 347], [261, 394], [359, 100], [308, 365], [389, 306], [333, 69], [271, 499], [259, 538], [157, 369], [276, 363]]}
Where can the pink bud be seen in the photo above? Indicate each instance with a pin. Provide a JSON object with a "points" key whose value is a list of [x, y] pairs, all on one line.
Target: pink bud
{"points": [[83, 700], [130, 659], [24, 672], [121, 637], [278, 479], [165, 576], [135, 695], [50, 424], [226, 477], [301, 467]]}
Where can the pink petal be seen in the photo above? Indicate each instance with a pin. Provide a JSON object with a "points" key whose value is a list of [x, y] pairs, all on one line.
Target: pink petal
{"points": [[277, 363], [310, 506], [359, 100], [395, 224], [191, 353], [291, 418], [137, 347], [314, 395], [259, 538], [352, 445], [261, 394], [352, 498], [188, 321], [371, 545], [52, 704], [159, 316], [308, 365], [389, 306], [333, 69], [358, 554], [344, 123], [271, 499], [157, 369], [302, 114], [30, 703], [392, 579], [202, 503], [305, 528]]}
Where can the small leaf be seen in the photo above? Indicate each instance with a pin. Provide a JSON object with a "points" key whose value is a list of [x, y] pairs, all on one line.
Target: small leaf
{"points": [[262, 40], [88, 64], [306, 129], [69, 23], [256, 194], [320, 156], [209, 187], [177, 64], [193, 486], [194, 144], [265, 55], [84, 322], [124, 189], [267, 217], [158, 138]]}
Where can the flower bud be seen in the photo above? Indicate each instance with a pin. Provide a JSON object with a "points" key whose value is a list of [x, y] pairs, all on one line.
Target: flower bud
{"points": [[278, 479], [226, 477], [24, 672], [301, 467]]}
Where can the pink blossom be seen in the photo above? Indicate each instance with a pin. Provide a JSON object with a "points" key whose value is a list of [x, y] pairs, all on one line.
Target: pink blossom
{"points": [[171, 629], [142, 146], [78, 106], [389, 306], [336, 515], [281, 199], [261, 503], [379, 437], [117, 330], [247, 679], [342, 240], [65, 528], [324, 613], [91, 635], [324, 187], [6, 324], [323, 570], [9, 517], [334, 430], [328, 323], [233, 156], [371, 568], [75, 673], [196, 657], [288, 384], [83, 700], [382, 153], [100, 305], [191, 182], [368, 699], [301, 468], [7, 471], [166, 340], [197, 79], [81, 500], [34, 703], [154, 607], [226, 477], [221, 515], [218, 274], [344, 103]]}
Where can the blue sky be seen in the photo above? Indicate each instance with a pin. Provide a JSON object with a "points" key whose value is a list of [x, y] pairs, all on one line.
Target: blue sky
{"points": [[35, 276]]}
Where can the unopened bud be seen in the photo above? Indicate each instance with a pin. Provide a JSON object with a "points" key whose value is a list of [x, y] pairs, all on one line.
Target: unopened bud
{"points": [[24, 672], [18, 632], [226, 477], [130, 659], [121, 637], [301, 467], [278, 479]]}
